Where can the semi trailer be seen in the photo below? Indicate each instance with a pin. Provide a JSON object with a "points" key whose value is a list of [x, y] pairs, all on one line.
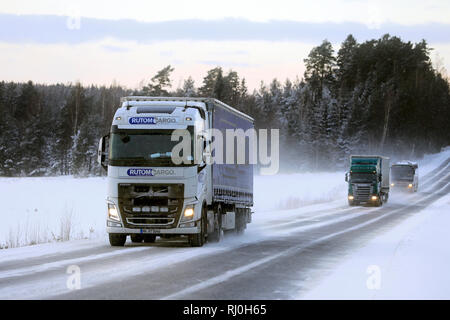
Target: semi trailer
{"points": [[150, 195], [368, 180], [405, 176]]}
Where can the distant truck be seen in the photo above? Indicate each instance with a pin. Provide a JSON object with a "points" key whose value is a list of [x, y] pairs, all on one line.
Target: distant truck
{"points": [[405, 176], [149, 195], [368, 180]]}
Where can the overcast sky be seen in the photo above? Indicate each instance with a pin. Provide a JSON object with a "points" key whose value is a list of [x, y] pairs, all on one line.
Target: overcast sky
{"points": [[128, 41]]}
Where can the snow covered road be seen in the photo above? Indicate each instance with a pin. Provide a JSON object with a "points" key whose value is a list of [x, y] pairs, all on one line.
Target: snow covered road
{"points": [[284, 254]]}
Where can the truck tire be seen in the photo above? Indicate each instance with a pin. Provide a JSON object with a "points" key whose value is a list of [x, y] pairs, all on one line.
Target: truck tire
{"points": [[136, 237], [198, 239], [216, 235], [149, 238], [117, 239], [241, 222], [379, 202]]}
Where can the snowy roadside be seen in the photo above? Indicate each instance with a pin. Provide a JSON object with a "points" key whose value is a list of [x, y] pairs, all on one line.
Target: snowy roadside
{"points": [[51, 209], [411, 261]]}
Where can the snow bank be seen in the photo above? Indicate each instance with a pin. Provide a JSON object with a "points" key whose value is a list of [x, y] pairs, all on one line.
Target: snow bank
{"points": [[36, 210], [410, 261], [431, 161]]}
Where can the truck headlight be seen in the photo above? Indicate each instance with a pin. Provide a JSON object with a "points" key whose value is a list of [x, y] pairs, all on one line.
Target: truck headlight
{"points": [[392, 184], [374, 198], [188, 213], [410, 185], [351, 197], [113, 213]]}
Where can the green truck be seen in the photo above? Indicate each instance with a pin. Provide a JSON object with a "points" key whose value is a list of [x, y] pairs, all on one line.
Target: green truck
{"points": [[368, 180]]}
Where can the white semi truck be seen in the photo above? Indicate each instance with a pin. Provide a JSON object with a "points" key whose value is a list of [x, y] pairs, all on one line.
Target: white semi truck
{"points": [[150, 195], [405, 176]]}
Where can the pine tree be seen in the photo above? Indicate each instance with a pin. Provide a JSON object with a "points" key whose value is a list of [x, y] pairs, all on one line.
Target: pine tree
{"points": [[188, 89], [159, 83]]}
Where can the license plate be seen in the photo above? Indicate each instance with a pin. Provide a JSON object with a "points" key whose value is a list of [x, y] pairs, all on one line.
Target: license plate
{"points": [[150, 231]]}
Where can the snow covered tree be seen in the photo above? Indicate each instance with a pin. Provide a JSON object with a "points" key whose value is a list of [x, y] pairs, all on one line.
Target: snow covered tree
{"points": [[188, 89]]}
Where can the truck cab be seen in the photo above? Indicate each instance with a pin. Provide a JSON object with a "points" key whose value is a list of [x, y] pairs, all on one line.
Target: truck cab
{"points": [[368, 180], [405, 176]]}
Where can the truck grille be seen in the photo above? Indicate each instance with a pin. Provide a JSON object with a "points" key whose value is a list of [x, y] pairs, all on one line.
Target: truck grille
{"points": [[150, 221], [361, 192], [150, 205]]}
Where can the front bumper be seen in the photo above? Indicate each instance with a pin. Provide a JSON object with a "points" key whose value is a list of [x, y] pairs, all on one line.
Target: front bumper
{"points": [[155, 231], [372, 198], [403, 186]]}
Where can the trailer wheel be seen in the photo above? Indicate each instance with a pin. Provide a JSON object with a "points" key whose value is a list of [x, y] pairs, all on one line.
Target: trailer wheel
{"points": [[136, 238], [198, 239], [117, 239], [241, 222], [216, 235]]}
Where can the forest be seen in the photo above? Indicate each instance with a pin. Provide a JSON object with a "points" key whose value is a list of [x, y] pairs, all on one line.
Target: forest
{"points": [[380, 96]]}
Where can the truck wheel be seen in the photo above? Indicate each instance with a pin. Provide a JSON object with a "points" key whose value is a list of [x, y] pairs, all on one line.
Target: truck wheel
{"points": [[149, 238], [136, 238], [216, 235], [379, 202], [198, 239], [241, 222], [117, 239]]}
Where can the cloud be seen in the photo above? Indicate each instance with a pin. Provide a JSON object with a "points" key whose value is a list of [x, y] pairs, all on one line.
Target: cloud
{"points": [[112, 48], [226, 64], [51, 29]]}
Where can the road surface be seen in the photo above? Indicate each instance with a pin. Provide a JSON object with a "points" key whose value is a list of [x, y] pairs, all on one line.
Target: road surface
{"points": [[279, 258]]}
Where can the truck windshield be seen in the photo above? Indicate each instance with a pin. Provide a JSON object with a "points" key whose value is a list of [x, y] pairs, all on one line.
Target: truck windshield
{"points": [[402, 172], [362, 177], [144, 147]]}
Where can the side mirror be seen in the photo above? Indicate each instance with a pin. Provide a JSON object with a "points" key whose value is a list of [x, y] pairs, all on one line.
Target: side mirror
{"points": [[101, 154], [346, 177]]}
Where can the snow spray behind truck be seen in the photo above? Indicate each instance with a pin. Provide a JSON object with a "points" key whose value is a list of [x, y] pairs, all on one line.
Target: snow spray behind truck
{"points": [[368, 180], [149, 195]]}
